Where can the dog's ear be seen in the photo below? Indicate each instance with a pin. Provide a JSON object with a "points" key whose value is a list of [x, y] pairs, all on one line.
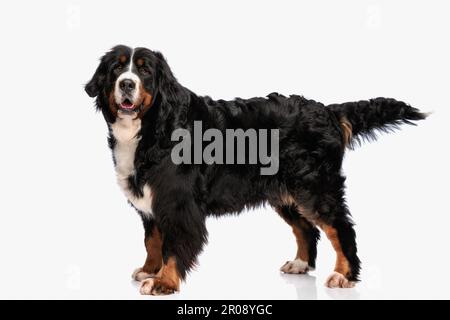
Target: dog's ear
{"points": [[167, 85], [174, 99], [95, 85]]}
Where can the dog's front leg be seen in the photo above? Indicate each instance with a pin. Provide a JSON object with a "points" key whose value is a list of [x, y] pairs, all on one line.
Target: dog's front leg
{"points": [[183, 231], [153, 246]]}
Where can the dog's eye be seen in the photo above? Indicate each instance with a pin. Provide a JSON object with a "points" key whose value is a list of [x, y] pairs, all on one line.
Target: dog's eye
{"points": [[118, 67], [144, 71]]}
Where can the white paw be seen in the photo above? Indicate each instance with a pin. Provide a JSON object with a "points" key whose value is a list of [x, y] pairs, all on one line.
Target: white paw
{"points": [[295, 266], [337, 280], [147, 286], [139, 275]]}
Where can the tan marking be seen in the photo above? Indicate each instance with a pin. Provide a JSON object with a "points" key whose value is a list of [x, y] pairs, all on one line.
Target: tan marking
{"points": [[287, 199], [308, 214], [123, 58], [112, 103], [139, 62], [302, 243], [342, 265], [167, 281], [347, 130], [169, 276], [145, 99], [153, 244]]}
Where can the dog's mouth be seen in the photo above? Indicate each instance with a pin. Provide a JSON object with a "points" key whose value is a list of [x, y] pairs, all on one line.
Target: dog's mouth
{"points": [[127, 105]]}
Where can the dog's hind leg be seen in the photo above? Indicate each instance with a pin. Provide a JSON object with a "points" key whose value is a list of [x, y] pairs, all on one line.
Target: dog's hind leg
{"points": [[342, 236], [306, 235], [331, 214]]}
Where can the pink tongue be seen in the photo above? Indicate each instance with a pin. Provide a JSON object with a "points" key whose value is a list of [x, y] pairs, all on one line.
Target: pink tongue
{"points": [[127, 105]]}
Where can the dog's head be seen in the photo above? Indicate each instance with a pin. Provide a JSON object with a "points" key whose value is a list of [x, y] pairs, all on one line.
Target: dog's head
{"points": [[129, 81]]}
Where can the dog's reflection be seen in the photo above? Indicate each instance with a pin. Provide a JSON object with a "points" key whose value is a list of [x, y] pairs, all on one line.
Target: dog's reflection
{"points": [[305, 285], [342, 294]]}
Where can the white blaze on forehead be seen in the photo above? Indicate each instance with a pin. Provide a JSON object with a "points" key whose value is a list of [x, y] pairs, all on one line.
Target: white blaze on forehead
{"points": [[130, 66], [131, 76]]}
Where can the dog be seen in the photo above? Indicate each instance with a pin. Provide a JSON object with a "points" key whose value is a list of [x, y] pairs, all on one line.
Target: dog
{"points": [[143, 104]]}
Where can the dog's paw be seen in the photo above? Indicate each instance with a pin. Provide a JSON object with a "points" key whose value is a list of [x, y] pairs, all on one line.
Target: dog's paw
{"points": [[297, 266], [156, 287], [338, 280], [140, 275], [147, 286]]}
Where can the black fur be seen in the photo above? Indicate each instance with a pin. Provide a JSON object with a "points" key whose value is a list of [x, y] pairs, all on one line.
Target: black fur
{"points": [[311, 154], [380, 114]]}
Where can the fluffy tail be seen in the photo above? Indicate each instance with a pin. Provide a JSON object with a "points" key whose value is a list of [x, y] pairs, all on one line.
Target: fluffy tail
{"points": [[361, 120]]}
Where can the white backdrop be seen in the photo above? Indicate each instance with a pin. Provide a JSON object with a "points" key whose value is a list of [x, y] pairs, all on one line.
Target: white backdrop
{"points": [[66, 230]]}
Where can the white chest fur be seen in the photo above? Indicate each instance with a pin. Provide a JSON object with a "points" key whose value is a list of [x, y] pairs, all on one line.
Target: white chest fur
{"points": [[125, 131]]}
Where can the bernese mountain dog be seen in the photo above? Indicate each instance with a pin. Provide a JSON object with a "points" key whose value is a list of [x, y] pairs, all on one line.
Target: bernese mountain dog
{"points": [[143, 104]]}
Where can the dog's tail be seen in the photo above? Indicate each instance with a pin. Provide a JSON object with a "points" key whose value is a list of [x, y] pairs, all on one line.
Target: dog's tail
{"points": [[360, 121]]}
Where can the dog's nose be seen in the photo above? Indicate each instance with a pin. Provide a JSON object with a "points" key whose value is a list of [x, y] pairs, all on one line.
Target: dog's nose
{"points": [[127, 85]]}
